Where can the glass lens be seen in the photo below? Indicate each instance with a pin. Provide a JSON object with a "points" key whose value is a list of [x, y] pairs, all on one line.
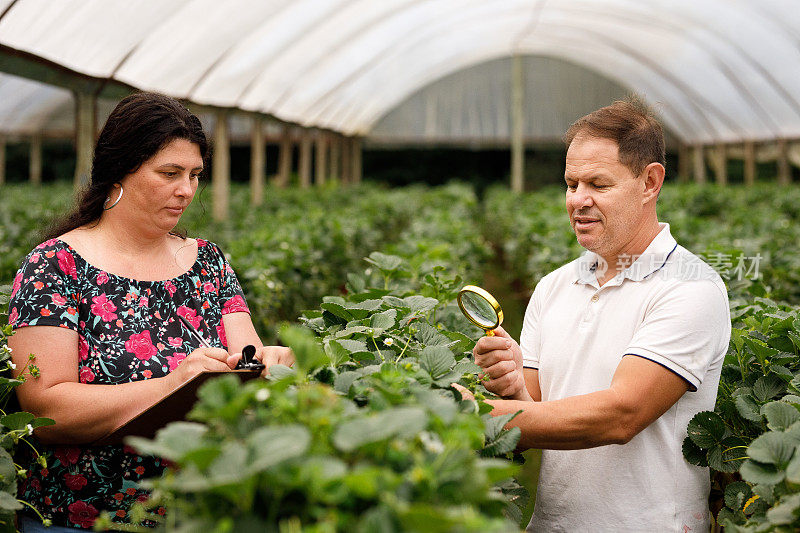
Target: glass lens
{"points": [[479, 309]]}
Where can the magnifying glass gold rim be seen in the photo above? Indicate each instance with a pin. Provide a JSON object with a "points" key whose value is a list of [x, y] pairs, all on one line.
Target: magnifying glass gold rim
{"points": [[486, 296]]}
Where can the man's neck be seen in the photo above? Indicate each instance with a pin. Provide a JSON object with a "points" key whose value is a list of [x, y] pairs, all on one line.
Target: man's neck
{"points": [[635, 247]]}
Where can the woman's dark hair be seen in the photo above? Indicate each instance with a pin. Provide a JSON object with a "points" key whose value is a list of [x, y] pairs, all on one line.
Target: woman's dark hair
{"points": [[140, 126]]}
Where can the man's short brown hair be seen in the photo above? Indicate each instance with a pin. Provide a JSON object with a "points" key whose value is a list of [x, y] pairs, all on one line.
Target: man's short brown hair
{"points": [[632, 126]]}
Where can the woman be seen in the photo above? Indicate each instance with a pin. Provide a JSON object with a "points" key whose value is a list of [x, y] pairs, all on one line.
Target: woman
{"points": [[98, 304]]}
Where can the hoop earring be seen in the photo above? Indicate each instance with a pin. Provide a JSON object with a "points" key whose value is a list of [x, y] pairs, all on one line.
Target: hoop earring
{"points": [[121, 190]]}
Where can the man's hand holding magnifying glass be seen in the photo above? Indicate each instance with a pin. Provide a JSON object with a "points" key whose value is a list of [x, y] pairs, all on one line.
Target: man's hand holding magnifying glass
{"points": [[501, 359]]}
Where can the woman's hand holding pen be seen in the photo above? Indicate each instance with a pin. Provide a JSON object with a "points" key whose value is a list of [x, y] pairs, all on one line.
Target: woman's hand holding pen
{"points": [[201, 360]]}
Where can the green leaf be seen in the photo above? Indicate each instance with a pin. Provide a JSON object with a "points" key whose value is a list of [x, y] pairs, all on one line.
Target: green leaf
{"points": [[506, 442], [436, 360], [780, 415], [172, 442], [727, 456], [430, 336], [756, 472], [17, 420], [736, 494], [693, 453], [273, 444], [336, 352], [353, 346], [774, 447], [8, 472], [767, 387], [345, 380], [279, 372], [760, 349], [466, 367], [786, 512], [706, 429], [386, 263], [384, 320], [493, 425], [307, 352], [793, 469], [420, 304], [9, 503], [748, 408], [360, 431]]}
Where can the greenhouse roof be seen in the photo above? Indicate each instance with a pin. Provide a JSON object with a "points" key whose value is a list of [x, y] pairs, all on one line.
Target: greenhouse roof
{"points": [[716, 70]]}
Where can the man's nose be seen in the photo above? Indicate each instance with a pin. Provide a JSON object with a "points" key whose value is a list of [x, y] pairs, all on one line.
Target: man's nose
{"points": [[582, 197]]}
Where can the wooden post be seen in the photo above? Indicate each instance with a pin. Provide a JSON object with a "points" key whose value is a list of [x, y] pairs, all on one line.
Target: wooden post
{"points": [[85, 113], [749, 163], [517, 126], [305, 159], [721, 164], [336, 157], [684, 163], [258, 162], [2, 160], [784, 171], [321, 158], [221, 167], [699, 164], [35, 160], [284, 158], [357, 170], [347, 154]]}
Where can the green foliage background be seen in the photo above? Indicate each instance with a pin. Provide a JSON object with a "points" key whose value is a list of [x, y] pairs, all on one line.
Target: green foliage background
{"points": [[304, 250]]}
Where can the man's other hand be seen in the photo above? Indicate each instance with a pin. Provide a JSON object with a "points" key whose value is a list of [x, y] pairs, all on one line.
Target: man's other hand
{"points": [[501, 359]]}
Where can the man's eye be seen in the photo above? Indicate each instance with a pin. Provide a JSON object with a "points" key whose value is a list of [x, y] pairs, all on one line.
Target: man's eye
{"points": [[571, 187], [170, 173], [195, 176]]}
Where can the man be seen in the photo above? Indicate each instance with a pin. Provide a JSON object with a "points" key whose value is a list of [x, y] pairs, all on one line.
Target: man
{"points": [[619, 348]]}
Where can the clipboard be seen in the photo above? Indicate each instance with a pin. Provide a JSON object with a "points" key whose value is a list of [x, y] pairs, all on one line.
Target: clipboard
{"points": [[172, 407]]}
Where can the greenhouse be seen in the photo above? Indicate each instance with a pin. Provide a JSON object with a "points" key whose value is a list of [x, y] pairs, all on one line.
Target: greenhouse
{"points": [[352, 165]]}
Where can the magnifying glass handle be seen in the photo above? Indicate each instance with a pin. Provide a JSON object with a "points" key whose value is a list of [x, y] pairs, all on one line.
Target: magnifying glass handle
{"points": [[490, 333]]}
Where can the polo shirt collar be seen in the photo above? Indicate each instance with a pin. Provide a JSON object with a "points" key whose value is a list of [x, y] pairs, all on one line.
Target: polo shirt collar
{"points": [[639, 268]]}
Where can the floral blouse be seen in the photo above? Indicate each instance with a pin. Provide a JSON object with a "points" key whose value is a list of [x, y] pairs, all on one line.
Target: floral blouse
{"points": [[127, 331]]}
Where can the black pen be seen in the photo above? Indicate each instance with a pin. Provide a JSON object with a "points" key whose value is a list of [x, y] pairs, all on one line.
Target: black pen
{"points": [[194, 332]]}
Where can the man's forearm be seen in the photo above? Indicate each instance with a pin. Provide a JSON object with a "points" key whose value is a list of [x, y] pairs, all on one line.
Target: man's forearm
{"points": [[584, 421]]}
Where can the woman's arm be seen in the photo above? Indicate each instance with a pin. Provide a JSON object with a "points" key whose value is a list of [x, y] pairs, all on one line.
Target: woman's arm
{"points": [[85, 412]]}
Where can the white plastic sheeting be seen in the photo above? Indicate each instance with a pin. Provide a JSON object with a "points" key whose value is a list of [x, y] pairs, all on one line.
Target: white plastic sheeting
{"points": [[472, 106], [718, 70]]}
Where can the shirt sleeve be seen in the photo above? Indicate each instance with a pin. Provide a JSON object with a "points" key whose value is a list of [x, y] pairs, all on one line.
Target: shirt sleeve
{"points": [[230, 290], [529, 340], [686, 329], [45, 290]]}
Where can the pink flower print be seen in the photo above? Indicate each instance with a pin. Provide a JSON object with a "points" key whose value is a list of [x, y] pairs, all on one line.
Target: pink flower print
{"points": [[175, 359], [175, 341], [201, 243], [190, 315], [86, 375], [35, 258], [82, 514], [46, 244], [17, 284], [67, 456], [74, 481], [67, 263], [221, 334], [104, 308], [140, 345], [13, 316], [171, 288], [102, 278], [235, 305], [83, 348], [209, 287], [144, 301], [57, 299]]}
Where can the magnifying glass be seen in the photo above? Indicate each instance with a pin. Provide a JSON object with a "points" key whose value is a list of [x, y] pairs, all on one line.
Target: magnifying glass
{"points": [[480, 308]]}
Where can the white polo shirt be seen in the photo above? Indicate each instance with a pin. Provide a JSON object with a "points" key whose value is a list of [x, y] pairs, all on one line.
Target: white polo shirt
{"points": [[668, 306]]}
